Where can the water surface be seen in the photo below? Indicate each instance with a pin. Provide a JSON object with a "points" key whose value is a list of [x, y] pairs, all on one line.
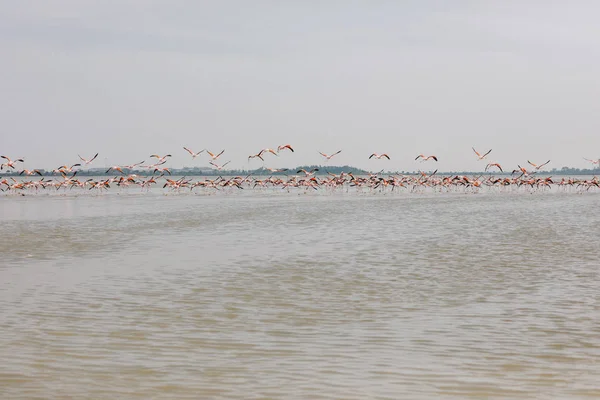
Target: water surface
{"points": [[295, 296]]}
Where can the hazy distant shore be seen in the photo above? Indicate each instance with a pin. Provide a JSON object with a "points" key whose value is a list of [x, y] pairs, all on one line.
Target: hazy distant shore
{"points": [[322, 170]]}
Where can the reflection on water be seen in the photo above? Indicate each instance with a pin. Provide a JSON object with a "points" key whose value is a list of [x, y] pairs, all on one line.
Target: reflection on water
{"points": [[300, 296]]}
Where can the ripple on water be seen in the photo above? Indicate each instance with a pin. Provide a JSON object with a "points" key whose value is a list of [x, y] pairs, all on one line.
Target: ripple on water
{"points": [[325, 297]]}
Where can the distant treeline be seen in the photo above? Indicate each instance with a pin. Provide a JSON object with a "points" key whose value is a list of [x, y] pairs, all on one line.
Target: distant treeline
{"points": [[553, 171], [322, 170]]}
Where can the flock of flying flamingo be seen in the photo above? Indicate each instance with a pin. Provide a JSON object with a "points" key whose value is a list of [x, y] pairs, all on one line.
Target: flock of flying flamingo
{"points": [[302, 179]]}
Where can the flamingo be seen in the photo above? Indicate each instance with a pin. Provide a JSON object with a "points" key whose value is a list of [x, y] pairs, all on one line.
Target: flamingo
{"points": [[64, 168], [277, 169], [522, 170], [255, 156], [132, 166], [425, 158], [10, 163], [214, 156], [194, 155], [479, 156], [493, 165], [328, 157], [151, 166], [116, 168], [29, 173], [267, 151], [218, 167], [285, 146], [537, 167], [308, 173], [379, 156], [160, 159], [162, 170], [87, 162]]}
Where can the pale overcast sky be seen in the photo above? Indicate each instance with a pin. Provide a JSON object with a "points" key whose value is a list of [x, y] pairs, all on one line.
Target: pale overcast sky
{"points": [[128, 78]]}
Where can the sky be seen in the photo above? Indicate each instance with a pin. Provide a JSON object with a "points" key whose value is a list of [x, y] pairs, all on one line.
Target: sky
{"points": [[130, 78]]}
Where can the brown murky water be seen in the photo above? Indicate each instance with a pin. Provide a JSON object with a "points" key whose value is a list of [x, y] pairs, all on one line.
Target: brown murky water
{"points": [[300, 296]]}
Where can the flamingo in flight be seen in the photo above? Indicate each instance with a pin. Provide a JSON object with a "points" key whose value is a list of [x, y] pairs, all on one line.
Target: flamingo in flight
{"points": [[218, 167], [28, 172], [115, 168], [308, 173], [285, 146], [425, 158], [493, 165], [277, 169], [132, 166], [328, 157], [160, 159], [64, 168], [522, 170], [379, 156], [214, 156], [162, 170], [256, 156], [86, 161], [194, 155], [267, 151], [10, 163], [537, 167], [479, 155]]}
